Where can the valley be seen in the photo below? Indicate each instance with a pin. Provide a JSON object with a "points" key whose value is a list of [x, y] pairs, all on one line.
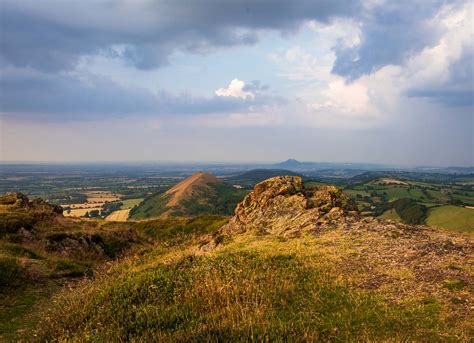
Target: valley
{"points": [[98, 191]]}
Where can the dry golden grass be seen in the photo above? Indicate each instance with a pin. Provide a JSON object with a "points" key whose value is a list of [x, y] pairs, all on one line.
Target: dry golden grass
{"points": [[80, 212], [101, 196], [118, 216], [262, 289], [95, 201]]}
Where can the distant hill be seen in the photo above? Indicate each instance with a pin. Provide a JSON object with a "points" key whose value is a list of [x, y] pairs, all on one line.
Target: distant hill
{"points": [[251, 177], [295, 165], [200, 193], [290, 164]]}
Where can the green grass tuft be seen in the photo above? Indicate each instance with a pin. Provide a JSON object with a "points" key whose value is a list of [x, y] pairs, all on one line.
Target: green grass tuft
{"points": [[70, 268], [19, 251], [453, 284]]}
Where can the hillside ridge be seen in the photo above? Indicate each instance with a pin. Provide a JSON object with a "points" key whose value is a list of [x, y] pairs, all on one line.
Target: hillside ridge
{"points": [[200, 193], [185, 188]]}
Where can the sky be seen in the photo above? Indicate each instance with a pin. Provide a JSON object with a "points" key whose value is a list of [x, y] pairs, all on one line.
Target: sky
{"points": [[376, 81]]}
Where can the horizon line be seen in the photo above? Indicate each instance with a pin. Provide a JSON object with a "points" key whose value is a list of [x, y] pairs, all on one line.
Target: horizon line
{"points": [[226, 162]]}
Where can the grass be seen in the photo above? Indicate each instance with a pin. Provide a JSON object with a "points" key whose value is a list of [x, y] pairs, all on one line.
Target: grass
{"points": [[174, 230], [11, 273], [70, 268], [241, 293], [20, 311], [438, 196], [118, 215], [130, 203], [11, 222], [80, 212], [468, 200], [222, 201], [396, 192], [18, 251], [453, 284], [153, 206], [217, 199], [451, 218]]}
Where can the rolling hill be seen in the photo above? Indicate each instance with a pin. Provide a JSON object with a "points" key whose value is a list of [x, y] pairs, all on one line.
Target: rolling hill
{"points": [[201, 193]]}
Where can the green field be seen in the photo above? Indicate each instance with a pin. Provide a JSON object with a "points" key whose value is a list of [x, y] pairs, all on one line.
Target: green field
{"points": [[452, 218], [353, 192], [468, 200], [394, 193], [130, 203]]}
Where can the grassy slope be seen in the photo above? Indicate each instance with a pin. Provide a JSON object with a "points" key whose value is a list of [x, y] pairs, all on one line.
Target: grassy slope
{"points": [[217, 199], [130, 203], [221, 200], [452, 218], [391, 214], [152, 206], [254, 288], [33, 266]]}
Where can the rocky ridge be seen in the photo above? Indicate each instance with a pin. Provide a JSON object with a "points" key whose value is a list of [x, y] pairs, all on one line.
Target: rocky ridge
{"points": [[283, 206]]}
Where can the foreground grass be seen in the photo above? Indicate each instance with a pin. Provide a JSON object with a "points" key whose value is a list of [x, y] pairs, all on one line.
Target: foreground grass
{"points": [[20, 311], [452, 218], [252, 289]]}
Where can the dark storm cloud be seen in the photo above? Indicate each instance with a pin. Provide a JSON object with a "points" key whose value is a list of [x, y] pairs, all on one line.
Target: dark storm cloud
{"points": [[51, 35], [390, 34], [395, 32], [64, 98]]}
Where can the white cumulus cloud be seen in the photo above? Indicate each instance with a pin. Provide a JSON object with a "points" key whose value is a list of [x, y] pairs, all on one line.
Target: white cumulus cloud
{"points": [[236, 90]]}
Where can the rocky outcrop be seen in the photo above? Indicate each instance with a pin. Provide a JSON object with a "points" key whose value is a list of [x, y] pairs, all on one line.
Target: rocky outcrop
{"points": [[20, 202], [17, 211], [283, 206]]}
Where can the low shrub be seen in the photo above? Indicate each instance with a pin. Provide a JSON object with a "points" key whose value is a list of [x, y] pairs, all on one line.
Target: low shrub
{"points": [[11, 273], [11, 222]]}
